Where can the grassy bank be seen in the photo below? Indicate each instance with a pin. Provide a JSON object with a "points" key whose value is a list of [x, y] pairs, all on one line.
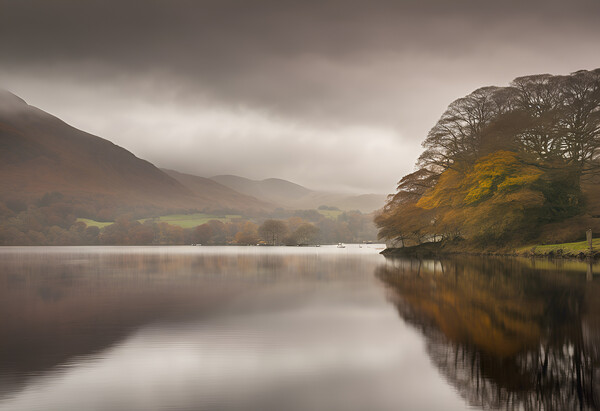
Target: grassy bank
{"points": [[191, 220], [181, 220], [94, 223], [566, 250], [331, 214]]}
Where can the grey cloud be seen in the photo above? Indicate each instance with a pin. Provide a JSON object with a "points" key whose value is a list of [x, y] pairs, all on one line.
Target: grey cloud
{"points": [[307, 56], [322, 65]]}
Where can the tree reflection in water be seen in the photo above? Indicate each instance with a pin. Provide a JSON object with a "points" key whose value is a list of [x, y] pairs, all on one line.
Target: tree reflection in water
{"points": [[507, 333]]}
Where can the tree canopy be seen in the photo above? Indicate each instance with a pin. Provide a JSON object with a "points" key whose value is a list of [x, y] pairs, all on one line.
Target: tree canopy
{"points": [[501, 162]]}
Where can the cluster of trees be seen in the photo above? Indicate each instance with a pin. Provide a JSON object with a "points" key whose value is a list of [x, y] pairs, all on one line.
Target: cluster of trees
{"points": [[52, 220], [294, 231], [49, 220], [305, 227], [502, 163]]}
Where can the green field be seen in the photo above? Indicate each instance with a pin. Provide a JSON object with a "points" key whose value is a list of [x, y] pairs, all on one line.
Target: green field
{"points": [[191, 220], [565, 248], [181, 220], [332, 214], [92, 223]]}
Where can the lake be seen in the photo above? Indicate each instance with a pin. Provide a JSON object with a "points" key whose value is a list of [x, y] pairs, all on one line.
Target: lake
{"points": [[293, 328]]}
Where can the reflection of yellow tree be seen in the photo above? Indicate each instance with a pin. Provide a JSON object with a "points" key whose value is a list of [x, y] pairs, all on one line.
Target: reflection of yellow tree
{"points": [[483, 310], [502, 333]]}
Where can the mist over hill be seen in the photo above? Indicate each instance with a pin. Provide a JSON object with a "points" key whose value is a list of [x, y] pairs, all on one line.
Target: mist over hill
{"points": [[294, 196], [40, 153], [211, 191]]}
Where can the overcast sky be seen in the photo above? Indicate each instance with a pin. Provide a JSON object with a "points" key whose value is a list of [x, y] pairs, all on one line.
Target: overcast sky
{"points": [[329, 94]]}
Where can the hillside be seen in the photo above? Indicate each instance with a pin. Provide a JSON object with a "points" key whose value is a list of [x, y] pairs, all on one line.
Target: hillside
{"points": [[365, 203], [273, 189], [210, 191], [291, 195], [39, 153]]}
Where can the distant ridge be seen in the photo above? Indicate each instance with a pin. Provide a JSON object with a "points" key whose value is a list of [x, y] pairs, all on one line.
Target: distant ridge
{"points": [[210, 190], [272, 189], [291, 195]]}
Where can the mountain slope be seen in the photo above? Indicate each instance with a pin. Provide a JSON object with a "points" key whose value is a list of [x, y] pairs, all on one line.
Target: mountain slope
{"points": [[40, 153], [291, 195]]}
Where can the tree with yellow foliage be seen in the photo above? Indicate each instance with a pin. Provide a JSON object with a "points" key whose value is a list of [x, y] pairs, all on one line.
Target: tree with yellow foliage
{"points": [[502, 162]]}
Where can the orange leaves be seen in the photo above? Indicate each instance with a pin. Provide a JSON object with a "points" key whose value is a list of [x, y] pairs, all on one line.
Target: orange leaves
{"points": [[444, 193], [491, 198], [496, 176], [499, 174]]}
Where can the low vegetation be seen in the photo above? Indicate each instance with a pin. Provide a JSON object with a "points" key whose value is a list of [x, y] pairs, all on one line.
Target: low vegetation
{"points": [[93, 223], [330, 213], [53, 220], [578, 249]]}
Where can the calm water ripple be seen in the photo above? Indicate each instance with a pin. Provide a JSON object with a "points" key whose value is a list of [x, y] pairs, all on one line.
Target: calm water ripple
{"points": [[283, 328]]}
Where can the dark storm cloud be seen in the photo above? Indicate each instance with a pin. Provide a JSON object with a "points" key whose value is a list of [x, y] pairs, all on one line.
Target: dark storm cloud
{"points": [[386, 66]]}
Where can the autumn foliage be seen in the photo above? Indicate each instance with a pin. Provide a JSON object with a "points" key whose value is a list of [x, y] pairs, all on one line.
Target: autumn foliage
{"points": [[503, 163]]}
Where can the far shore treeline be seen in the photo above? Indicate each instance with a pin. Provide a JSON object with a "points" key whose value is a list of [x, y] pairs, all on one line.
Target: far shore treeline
{"points": [[506, 166], [55, 219]]}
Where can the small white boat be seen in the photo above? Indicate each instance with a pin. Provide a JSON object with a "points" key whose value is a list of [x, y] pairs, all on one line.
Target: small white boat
{"points": [[341, 245]]}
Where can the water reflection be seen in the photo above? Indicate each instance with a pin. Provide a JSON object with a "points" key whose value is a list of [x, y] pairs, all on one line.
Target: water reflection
{"points": [[238, 328], [65, 302], [189, 328], [507, 333]]}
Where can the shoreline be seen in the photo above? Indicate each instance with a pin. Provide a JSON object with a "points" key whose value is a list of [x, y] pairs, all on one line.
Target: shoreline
{"points": [[429, 250]]}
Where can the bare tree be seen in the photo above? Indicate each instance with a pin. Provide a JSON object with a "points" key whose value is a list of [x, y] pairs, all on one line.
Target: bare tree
{"points": [[457, 137], [273, 231]]}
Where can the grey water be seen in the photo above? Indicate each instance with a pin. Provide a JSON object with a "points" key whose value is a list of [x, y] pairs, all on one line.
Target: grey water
{"points": [[293, 328]]}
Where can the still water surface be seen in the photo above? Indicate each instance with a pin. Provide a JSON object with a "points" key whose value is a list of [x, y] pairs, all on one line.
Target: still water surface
{"points": [[269, 328]]}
